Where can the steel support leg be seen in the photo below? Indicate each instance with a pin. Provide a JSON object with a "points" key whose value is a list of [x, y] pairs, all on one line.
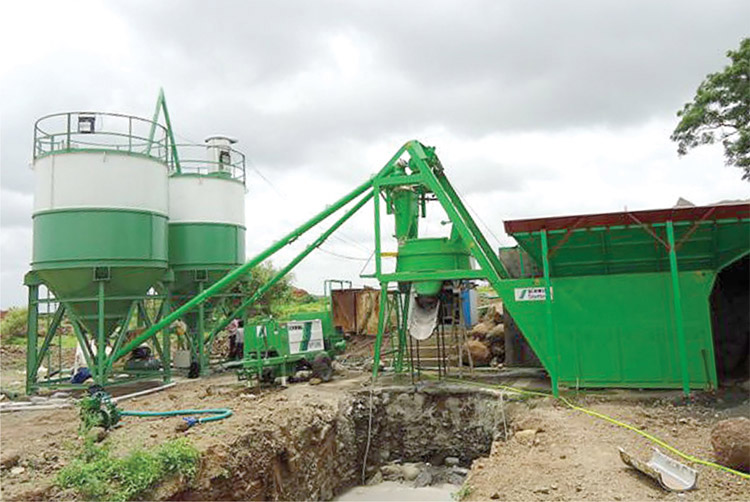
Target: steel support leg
{"points": [[678, 321], [31, 338], [101, 340], [200, 347], [166, 359], [381, 329], [551, 345]]}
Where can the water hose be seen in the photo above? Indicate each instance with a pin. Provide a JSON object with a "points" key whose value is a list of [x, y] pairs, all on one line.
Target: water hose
{"points": [[216, 415], [653, 439]]}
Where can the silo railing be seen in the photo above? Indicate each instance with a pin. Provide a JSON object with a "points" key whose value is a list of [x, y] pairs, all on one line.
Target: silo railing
{"points": [[101, 132], [196, 159]]}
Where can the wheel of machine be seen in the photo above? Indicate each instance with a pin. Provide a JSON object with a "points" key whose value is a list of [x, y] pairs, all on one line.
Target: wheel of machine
{"points": [[322, 368]]}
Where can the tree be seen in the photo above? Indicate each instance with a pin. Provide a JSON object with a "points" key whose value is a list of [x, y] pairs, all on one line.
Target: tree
{"points": [[720, 111]]}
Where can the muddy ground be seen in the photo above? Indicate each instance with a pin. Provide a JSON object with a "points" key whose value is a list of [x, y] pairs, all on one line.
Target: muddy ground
{"points": [[306, 442]]}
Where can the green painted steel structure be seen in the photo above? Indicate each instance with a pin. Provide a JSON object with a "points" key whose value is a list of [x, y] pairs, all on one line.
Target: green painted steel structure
{"points": [[630, 303], [98, 262], [622, 300]]}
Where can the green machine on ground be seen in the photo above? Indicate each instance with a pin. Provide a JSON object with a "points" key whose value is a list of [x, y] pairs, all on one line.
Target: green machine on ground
{"points": [[279, 348], [594, 272]]}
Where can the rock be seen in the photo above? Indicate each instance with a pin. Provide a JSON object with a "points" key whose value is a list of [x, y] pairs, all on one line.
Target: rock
{"points": [[451, 461], [541, 489], [376, 479], [480, 330], [529, 422], [391, 472], [495, 496], [423, 479], [98, 434], [9, 460], [338, 367], [60, 395], [250, 397], [410, 471], [303, 375], [455, 479], [480, 353], [731, 443], [462, 471], [526, 436], [17, 470], [315, 381]]}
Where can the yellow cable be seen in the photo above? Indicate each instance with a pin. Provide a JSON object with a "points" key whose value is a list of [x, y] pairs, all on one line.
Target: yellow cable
{"points": [[611, 420]]}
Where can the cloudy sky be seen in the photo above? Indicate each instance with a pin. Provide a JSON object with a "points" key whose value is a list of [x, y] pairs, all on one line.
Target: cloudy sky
{"points": [[537, 108]]}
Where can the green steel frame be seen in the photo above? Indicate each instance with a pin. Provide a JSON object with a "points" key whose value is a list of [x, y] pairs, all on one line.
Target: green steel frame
{"points": [[545, 323]]}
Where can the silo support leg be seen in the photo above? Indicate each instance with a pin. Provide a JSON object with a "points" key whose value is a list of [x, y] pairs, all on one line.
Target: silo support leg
{"points": [[166, 344], [101, 340], [199, 339], [31, 339]]}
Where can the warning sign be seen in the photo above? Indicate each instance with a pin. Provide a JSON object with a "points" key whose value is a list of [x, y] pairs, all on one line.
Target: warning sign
{"points": [[532, 294]]}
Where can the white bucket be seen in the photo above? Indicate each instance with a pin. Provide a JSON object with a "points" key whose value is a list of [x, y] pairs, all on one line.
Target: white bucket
{"points": [[182, 359]]}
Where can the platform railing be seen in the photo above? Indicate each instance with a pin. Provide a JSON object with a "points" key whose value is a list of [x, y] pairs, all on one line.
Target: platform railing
{"points": [[196, 159], [100, 132]]}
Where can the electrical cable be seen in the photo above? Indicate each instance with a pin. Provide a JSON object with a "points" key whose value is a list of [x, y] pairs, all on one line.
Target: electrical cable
{"points": [[354, 258], [653, 439]]}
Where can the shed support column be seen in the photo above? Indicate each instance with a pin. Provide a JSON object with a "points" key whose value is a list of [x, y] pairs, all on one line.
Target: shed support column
{"points": [[31, 338], [551, 345], [678, 317]]}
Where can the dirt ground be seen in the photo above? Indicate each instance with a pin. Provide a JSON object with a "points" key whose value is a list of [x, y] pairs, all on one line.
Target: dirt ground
{"points": [[291, 444]]}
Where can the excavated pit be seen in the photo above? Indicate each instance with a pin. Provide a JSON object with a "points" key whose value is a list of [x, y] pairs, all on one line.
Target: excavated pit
{"points": [[319, 454]]}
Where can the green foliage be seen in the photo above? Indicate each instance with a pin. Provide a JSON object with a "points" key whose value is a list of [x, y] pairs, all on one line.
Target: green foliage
{"points": [[14, 323], [95, 474], [462, 493], [720, 111], [278, 295]]}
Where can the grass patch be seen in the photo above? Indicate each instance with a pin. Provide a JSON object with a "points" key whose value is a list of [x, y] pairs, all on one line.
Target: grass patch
{"points": [[96, 474]]}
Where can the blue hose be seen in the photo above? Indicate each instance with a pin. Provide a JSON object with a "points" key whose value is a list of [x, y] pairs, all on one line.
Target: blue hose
{"points": [[216, 414]]}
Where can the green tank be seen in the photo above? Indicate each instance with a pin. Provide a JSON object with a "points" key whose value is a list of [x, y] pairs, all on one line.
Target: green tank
{"points": [[100, 212]]}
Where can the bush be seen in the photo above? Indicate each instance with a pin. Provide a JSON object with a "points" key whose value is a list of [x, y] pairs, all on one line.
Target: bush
{"points": [[95, 474], [14, 323]]}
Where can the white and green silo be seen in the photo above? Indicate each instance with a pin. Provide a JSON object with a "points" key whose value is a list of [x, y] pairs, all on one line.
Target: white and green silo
{"points": [[206, 225], [100, 223]]}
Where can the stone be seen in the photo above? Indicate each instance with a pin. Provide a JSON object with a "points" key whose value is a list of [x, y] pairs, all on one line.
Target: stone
{"points": [[410, 471], [451, 461], [541, 489], [495, 496], [455, 479], [480, 353], [303, 375], [9, 460], [60, 395], [526, 436], [338, 367], [463, 471], [376, 479], [391, 472], [315, 381], [423, 479], [730, 440], [98, 434], [17, 470]]}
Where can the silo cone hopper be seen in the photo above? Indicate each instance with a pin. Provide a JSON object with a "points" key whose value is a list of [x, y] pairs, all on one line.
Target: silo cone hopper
{"points": [[71, 285]]}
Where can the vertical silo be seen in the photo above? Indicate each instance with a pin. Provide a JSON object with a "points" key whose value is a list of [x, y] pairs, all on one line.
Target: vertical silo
{"points": [[206, 225], [99, 221]]}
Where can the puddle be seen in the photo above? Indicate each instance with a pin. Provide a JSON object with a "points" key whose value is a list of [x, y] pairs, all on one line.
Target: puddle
{"points": [[393, 491]]}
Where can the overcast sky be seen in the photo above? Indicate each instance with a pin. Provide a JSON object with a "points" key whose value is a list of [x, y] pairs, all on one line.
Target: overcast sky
{"points": [[536, 108]]}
